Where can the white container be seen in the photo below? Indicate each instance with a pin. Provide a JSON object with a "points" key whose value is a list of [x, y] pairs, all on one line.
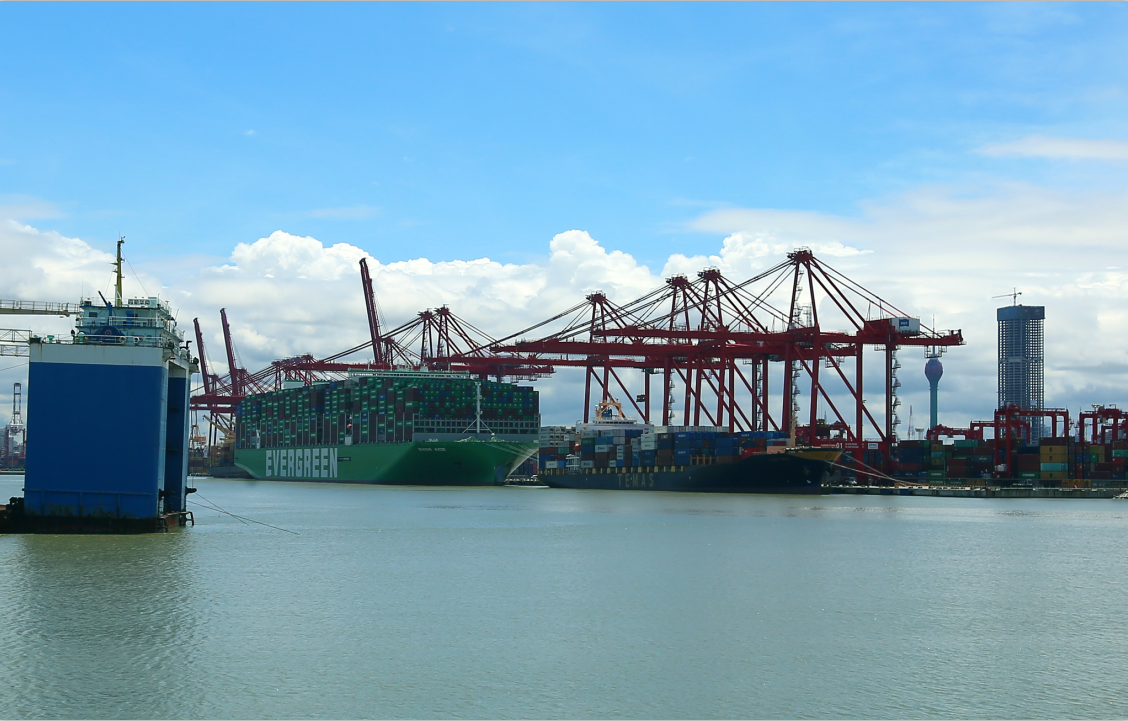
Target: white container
{"points": [[906, 326]]}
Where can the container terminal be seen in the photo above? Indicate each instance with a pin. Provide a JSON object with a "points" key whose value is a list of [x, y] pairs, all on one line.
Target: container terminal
{"points": [[708, 355], [710, 370]]}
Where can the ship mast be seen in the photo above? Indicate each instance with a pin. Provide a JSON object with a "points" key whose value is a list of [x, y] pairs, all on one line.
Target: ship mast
{"points": [[117, 270]]}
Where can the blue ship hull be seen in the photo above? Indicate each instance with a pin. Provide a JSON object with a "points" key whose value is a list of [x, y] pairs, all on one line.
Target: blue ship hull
{"points": [[107, 431]]}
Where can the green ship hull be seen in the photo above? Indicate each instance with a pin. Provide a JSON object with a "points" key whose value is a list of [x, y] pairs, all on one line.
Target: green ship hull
{"points": [[439, 463]]}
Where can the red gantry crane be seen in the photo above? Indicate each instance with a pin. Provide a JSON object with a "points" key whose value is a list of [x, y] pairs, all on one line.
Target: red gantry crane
{"points": [[708, 344], [712, 341]]}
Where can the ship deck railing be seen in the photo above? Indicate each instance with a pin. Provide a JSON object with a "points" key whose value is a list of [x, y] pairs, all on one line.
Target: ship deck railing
{"points": [[122, 322], [131, 341]]}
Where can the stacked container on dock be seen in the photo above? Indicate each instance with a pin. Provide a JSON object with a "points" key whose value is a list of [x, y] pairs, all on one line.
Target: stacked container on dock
{"points": [[1056, 459], [939, 462], [1104, 463], [1053, 462]]}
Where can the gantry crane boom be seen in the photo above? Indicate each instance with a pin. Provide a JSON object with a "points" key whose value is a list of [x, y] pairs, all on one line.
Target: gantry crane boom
{"points": [[373, 314]]}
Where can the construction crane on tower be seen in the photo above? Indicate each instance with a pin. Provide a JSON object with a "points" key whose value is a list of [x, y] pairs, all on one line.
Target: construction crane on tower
{"points": [[15, 433]]}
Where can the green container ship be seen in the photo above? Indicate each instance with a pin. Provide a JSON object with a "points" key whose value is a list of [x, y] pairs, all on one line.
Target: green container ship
{"points": [[395, 427]]}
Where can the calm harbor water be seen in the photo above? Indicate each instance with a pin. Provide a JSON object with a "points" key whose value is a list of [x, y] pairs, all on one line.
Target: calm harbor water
{"points": [[516, 602]]}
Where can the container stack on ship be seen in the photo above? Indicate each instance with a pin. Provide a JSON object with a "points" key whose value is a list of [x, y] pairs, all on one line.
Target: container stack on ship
{"points": [[398, 427], [557, 443], [107, 423], [617, 453]]}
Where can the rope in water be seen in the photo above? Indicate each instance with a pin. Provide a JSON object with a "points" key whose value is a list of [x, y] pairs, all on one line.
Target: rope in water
{"points": [[210, 505]]}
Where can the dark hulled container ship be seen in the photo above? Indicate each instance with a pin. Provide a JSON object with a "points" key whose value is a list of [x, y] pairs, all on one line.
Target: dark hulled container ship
{"points": [[795, 471], [615, 453]]}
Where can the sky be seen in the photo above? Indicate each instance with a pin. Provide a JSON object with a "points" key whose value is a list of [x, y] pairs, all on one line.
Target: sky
{"points": [[506, 159]]}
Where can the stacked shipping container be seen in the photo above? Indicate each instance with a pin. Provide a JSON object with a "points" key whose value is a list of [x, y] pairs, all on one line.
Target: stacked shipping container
{"points": [[1053, 462], [386, 408], [660, 447], [556, 444]]}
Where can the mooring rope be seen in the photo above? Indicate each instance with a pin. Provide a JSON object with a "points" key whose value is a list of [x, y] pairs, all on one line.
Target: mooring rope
{"points": [[244, 519], [872, 471]]}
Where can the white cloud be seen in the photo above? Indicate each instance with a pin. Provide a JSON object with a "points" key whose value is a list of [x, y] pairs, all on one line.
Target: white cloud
{"points": [[45, 265], [744, 253], [1041, 146], [307, 297], [282, 255]]}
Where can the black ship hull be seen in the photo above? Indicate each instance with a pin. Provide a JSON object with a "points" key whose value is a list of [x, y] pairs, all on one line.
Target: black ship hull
{"points": [[761, 473]]}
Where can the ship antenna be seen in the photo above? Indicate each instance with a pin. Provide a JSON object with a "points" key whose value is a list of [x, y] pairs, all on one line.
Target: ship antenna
{"points": [[117, 270], [477, 424]]}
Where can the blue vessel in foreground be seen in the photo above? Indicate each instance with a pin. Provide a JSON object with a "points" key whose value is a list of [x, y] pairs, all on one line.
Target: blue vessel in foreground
{"points": [[107, 423]]}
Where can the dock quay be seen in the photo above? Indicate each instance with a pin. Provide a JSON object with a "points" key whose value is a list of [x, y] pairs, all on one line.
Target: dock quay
{"points": [[969, 492]]}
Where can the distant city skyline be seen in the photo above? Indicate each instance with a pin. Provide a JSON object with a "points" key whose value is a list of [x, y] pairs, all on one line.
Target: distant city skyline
{"points": [[508, 159]]}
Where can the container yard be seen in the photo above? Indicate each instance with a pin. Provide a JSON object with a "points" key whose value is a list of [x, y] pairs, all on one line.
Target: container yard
{"points": [[729, 361], [1049, 463]]}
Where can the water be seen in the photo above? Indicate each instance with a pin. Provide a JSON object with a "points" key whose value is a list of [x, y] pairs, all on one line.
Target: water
{"points": [[515, 602]]}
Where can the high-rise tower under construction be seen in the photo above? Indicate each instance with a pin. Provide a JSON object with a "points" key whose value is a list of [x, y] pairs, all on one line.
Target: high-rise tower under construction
{"points": [[1021, 344]]}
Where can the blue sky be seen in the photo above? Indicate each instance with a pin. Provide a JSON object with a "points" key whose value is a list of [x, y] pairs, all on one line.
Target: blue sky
{"points": [[455, 132], [491, 127]]}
